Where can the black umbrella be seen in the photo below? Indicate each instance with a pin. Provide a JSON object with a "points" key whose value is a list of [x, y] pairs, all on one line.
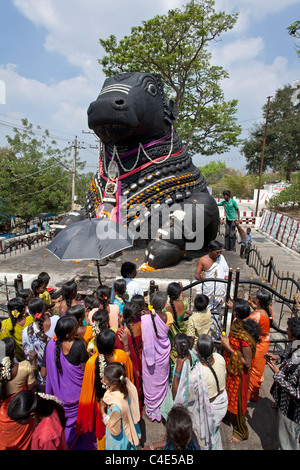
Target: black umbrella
{"points": [[91, 239]]}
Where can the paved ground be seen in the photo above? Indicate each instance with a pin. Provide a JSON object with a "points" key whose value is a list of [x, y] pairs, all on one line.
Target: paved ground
{"points": [[261, 416]]}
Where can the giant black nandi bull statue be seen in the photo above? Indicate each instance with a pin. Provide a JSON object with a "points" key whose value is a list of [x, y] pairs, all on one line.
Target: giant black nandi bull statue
{"points": [[146, 177]]}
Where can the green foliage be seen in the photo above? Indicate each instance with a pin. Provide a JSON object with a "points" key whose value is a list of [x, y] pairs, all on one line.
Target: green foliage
{"points": [[35, 176], [176, 46], [294, 31], [282, 149], [288, 198]]}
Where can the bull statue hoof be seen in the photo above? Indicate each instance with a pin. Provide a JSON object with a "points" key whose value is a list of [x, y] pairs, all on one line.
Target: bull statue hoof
{"points": [[146, 178]]}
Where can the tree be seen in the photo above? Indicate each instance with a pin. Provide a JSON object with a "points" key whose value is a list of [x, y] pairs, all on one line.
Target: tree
{"points": [[35, 176], [176, 46], [289, 198], [294, 31], [213, 171], [282, 149]]}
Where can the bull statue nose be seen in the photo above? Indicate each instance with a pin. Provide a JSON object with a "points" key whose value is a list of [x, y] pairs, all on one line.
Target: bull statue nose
{"points": [[120, 103]]}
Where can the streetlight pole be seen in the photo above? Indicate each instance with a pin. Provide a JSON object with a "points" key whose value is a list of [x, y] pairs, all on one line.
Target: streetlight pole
{"points": [[74, 174], [262, 156]]}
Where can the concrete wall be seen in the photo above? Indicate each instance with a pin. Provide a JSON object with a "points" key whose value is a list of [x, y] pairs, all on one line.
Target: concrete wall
{"points": [[281, 228]]}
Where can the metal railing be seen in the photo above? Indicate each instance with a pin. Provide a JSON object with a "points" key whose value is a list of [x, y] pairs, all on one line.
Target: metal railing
{"points": [[286, 285], [235, 287], [16, 244]]}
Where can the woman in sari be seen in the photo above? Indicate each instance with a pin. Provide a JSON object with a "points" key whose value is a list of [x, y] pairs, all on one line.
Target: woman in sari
{"points": [[215, 373], [129, 338], [89, 418], [240, 348], [14, 377], [189, 388], [15, 324], [65, 360], [36, 336], [156, 355], [263, 315]]}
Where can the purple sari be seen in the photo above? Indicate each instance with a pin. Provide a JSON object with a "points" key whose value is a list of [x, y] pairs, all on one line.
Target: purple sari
{"points": [[67, 387], [156, 364]]}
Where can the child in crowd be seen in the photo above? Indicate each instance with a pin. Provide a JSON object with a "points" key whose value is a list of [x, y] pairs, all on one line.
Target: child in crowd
{"points": [[121, 296], [245, 246], [15, 324], [120, 410], [179, 432], [45, 295], [200, 321]]}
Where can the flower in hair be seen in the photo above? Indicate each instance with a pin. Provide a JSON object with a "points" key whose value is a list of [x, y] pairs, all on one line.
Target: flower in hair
{"points": [[15, 313], [121, 377], [5, 368], [46, 396], [38, 316], [95, 327], [54, 337]]}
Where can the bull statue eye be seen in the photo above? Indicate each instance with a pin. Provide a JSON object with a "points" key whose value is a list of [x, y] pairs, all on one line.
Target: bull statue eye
{"points": [[151, 88]]}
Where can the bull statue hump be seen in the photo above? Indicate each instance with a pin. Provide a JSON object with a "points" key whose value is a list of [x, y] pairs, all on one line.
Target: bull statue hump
{"points": [[146, 178]]}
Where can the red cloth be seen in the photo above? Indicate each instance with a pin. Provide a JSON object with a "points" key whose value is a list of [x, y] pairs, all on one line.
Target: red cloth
{"points": [[136, 362], [49, 434]]}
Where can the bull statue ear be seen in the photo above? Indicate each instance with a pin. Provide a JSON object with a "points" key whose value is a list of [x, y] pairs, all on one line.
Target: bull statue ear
{"points": [[170, 111], [173, 110]]}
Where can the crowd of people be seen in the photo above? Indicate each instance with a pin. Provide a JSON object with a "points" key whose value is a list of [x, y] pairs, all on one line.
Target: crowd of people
{"points": [[80, 373]]}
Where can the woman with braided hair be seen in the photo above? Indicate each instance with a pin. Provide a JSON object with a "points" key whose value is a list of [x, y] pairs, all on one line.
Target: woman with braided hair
{"points": [[103, 294], [14, 377], [156, 354], [64, 362], [36, 336], [15, 324], [129, 338], [102, 301], [215, 373], [177, 306]]}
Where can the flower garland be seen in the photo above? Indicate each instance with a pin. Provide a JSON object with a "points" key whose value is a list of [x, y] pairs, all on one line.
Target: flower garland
{"points": [[46, 396], [5, 369], [95, 328], [102, 365]]}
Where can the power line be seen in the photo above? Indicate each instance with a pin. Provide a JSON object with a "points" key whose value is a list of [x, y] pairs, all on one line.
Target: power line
{"points": [[44, 189]]}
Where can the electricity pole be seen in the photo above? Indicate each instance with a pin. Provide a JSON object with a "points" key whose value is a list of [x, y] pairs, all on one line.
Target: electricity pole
{"points": [[74, 174], [262, 156]]}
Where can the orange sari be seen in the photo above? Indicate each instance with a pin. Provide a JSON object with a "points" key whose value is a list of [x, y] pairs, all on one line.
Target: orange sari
{"points": [[259, 362], [13, 435]]}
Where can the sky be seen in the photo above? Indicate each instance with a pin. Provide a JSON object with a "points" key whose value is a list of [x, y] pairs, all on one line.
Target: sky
{"points": [[49, 70]]}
